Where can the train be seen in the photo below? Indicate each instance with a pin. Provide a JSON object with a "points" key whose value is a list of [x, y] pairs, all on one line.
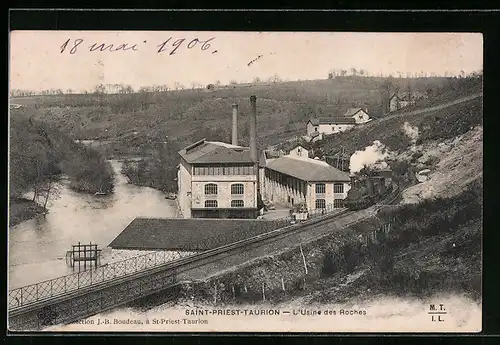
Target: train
{"points": [[368, 189]]}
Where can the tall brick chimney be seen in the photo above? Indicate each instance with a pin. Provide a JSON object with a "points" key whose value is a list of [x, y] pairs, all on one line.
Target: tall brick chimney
{"points": [[234, 140], [253, 145], [253, 128]]}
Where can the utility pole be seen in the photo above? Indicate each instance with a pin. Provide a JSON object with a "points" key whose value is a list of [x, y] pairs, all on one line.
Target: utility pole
{"points": [[340, 158]]}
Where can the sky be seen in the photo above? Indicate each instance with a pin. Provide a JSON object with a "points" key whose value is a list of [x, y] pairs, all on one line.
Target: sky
{"points": [[38, 61]]}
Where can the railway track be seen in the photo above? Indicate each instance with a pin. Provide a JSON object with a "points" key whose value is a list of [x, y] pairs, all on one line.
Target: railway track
{"points": [[170, 274]]}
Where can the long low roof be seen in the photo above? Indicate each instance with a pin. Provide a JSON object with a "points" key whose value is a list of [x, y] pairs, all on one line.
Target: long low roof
{"points": [[189, 234], [337, 120], [307, 169]]}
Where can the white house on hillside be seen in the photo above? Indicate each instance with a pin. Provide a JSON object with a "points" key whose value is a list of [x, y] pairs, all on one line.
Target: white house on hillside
{"points": [[337, 124], [359, 115]]}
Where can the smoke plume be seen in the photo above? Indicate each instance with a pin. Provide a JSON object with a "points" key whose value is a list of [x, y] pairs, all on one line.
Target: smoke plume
{"points": [[370, 156], [411, 132]]}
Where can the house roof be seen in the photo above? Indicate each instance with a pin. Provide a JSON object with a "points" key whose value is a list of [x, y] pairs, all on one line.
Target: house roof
{"points": [[308, 169], [215, 152], [189, 234], [352, 111], [403, 96], [337, 120]]}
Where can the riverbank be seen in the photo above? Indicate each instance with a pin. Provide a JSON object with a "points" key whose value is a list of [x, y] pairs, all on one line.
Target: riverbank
{"points": [[23, 209]]}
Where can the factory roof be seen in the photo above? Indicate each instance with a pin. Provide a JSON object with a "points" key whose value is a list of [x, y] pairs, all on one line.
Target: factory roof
{"points": [[189, 234], [336, 120], [307, 169], [215, 152]]}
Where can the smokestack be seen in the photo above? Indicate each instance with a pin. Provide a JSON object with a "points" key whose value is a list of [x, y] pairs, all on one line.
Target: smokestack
{"points": [[234, 140], [253, 145], [253, 128]]}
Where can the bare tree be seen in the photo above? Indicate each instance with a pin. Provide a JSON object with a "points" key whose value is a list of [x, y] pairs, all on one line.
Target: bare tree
{"points": [[49, 190]]}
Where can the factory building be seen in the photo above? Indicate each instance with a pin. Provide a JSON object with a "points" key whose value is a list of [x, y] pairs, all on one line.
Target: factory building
{"points": [[297, 179], [220, 180]]}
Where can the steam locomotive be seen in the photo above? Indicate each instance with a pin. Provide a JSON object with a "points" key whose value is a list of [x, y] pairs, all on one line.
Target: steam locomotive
{"points": [[368, 188]]}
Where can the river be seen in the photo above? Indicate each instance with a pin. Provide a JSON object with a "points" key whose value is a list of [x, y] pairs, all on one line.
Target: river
{"points": [[37, 246]]}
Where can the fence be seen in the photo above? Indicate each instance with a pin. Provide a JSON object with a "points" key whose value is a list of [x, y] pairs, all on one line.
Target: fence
{"points": [[322, 211], [72, 282]]}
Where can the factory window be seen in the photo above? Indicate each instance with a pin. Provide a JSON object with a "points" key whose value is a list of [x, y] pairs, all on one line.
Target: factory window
{"points": [[210, 189], [237, 188], [338, 188], [338, 203], [320, 203], [320, 188], [237, 203], [210, 203]]}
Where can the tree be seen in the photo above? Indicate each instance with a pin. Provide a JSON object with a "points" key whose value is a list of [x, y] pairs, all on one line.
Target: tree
{"points": [[49, 190], [275, 79], [385, 90], [409, 92], [178, 86]]}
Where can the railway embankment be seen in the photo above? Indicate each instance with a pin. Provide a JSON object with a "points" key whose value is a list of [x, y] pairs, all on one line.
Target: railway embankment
{"points": [[411, 250], [272, 277]]}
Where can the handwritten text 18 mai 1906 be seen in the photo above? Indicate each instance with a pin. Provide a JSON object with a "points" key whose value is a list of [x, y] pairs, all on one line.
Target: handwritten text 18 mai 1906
{"points": [[169, 46]]}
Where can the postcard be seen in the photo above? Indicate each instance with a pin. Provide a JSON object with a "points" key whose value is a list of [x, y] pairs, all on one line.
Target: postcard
{"points": [[210, 181]]}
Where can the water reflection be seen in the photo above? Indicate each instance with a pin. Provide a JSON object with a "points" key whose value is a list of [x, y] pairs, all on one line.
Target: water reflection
{"points": [[37, 247]]}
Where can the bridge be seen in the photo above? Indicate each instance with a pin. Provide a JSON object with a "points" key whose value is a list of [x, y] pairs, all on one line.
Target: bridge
{"points": [[73, 297]]}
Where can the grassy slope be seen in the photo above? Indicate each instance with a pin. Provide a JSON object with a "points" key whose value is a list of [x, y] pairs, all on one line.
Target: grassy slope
{"points": [[435, 125], [283, 109]]}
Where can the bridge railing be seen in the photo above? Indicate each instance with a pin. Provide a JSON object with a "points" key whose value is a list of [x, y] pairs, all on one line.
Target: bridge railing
{"points": [[58, 286]]}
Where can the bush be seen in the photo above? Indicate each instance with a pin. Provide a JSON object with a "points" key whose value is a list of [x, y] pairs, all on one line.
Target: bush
{"points": [[330, 265]]}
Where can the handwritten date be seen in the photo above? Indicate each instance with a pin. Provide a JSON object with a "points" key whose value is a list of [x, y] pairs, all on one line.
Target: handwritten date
{"points": [[169, 46]]}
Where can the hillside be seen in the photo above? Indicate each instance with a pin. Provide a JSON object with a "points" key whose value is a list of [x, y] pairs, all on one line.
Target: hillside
{"points": [[183, 115], [155, 125]]}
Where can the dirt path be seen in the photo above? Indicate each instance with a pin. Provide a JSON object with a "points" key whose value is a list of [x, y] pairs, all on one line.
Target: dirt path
{"points": [[428, 109]]}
